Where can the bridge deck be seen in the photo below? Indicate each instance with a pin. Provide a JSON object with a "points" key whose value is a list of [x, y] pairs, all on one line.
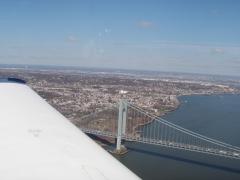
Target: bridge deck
{"points": [[169, 144], [135, 124]]}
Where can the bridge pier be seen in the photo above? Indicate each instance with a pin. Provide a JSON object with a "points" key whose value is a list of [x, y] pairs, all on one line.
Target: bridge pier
{"points": [[122, 117]]}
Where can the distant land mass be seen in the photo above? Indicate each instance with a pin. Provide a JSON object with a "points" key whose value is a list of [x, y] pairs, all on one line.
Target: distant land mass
{"points": [[76, 91], [225, 79]]}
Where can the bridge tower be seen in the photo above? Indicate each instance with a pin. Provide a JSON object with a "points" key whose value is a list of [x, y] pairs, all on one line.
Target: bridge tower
{"points": [[122, 118]]}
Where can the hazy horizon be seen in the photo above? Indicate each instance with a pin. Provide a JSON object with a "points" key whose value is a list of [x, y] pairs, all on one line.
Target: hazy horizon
{"points": [[102, 69]]}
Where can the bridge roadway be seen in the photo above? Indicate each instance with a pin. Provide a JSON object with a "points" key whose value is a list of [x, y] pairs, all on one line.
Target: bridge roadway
{"points": [[169, 144]]}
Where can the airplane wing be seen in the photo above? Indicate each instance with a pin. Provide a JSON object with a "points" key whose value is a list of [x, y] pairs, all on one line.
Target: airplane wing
{"points": [[38, 143]]}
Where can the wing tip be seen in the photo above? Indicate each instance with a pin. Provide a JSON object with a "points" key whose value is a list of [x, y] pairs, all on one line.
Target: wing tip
{"points": [[12, 80]]}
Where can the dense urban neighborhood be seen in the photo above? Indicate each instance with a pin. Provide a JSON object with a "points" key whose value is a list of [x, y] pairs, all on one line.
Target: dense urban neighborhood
{"points": [[76, 94]]}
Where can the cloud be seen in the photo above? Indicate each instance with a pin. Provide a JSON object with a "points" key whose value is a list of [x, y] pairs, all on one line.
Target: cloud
{"points": [[217, 51], [107, 30], [71, 39], [145, 24], [216, 12]]}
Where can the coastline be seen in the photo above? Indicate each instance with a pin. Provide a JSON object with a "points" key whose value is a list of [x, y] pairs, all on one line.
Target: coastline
{"points": [[197, 94]]}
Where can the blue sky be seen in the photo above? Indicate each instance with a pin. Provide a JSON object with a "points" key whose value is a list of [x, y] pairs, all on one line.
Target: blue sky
{"points": [[173, 35]]}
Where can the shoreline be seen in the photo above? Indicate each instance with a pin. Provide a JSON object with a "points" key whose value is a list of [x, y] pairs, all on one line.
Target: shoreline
{"points": [[180, 103]]}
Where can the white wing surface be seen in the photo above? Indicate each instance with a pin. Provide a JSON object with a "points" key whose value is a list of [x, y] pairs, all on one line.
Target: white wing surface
{"points": [[38, 143]]}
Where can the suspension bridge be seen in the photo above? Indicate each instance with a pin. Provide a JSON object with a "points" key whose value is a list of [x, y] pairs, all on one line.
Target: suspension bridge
{"points": [[131, 123]]}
